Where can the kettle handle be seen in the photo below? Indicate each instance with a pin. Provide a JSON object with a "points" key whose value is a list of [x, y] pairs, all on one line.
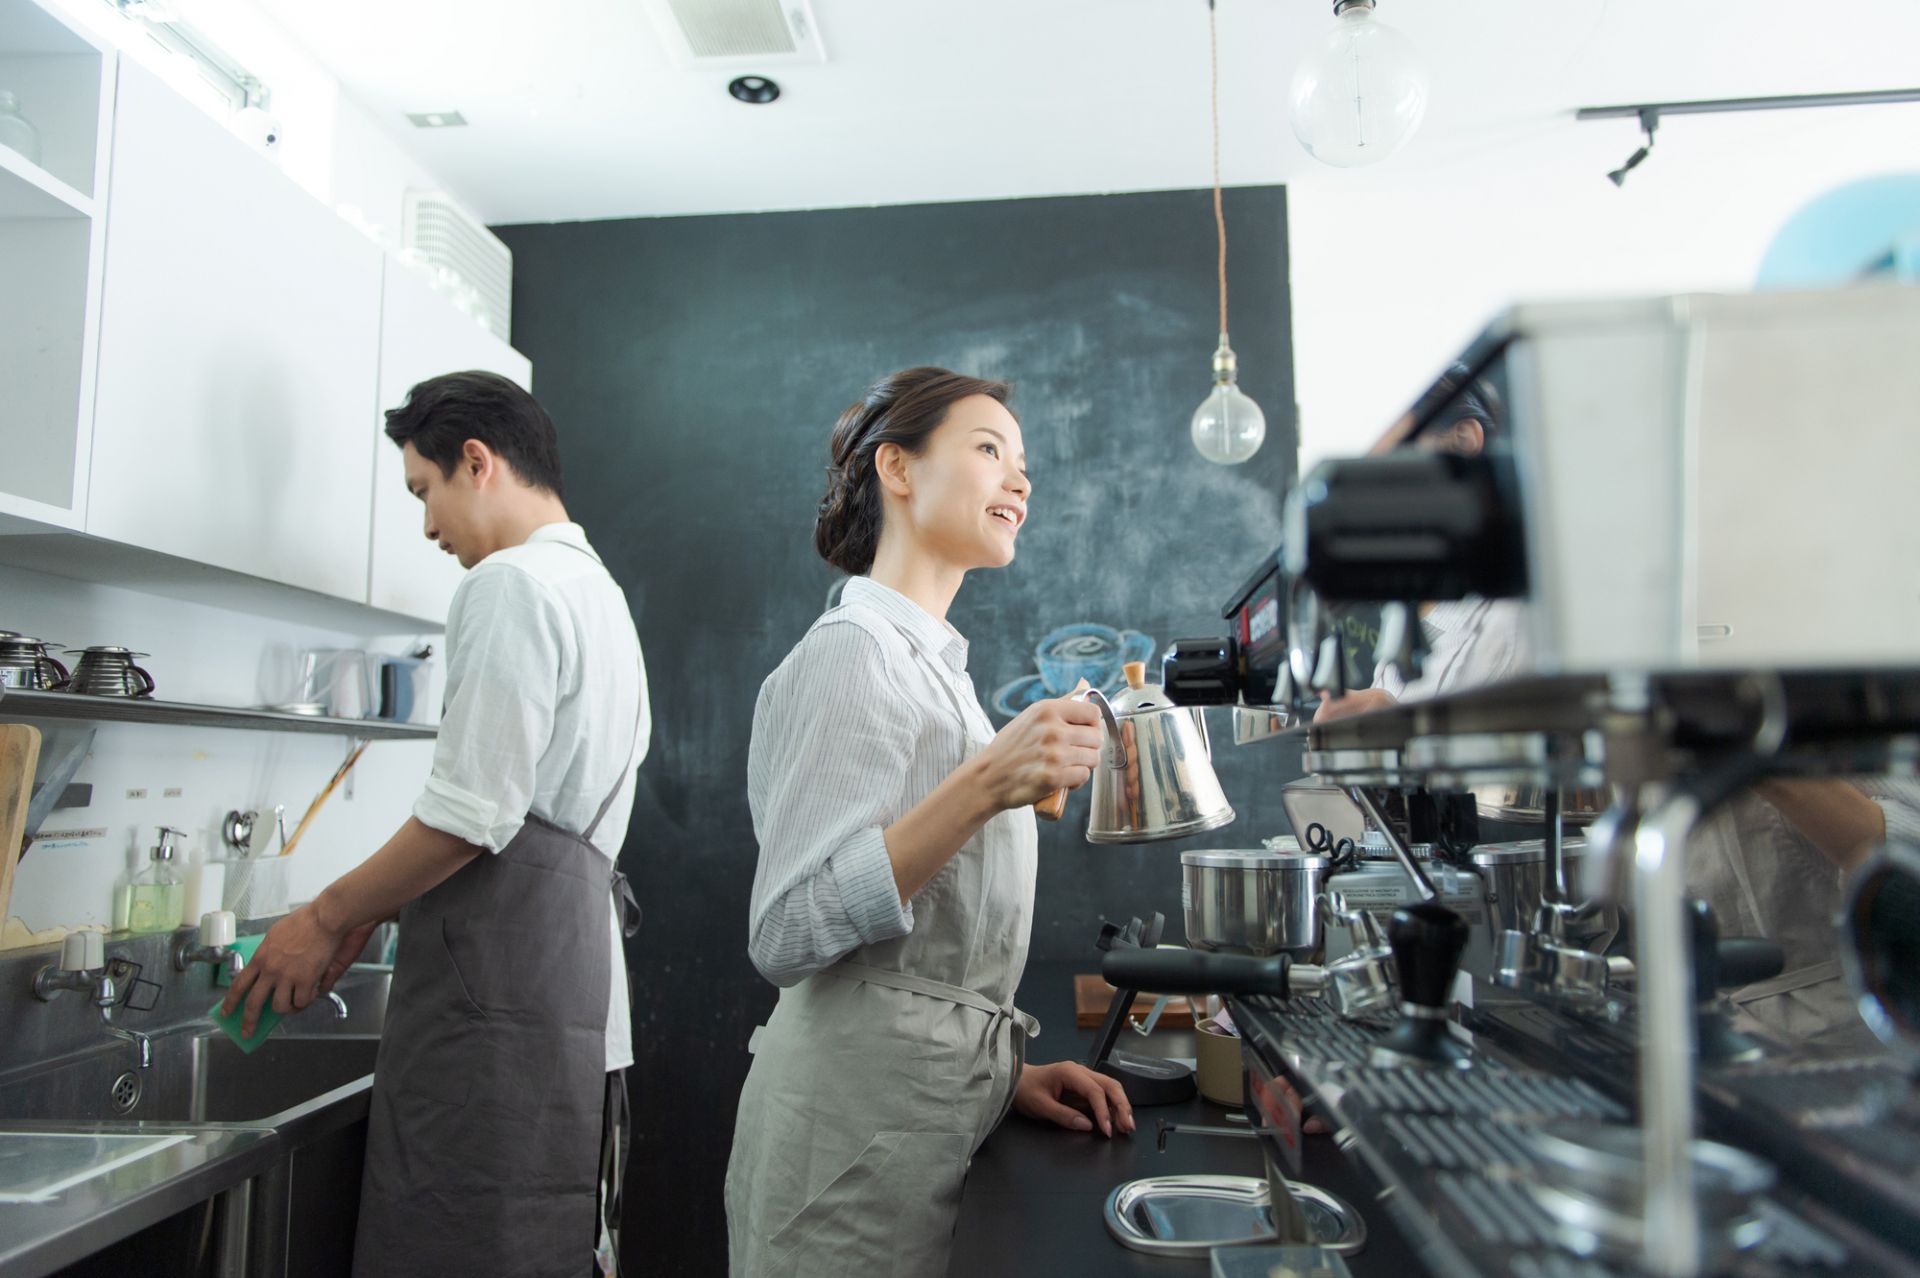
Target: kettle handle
{"points": [[60, 672], [146, 680], [1054, 806]]}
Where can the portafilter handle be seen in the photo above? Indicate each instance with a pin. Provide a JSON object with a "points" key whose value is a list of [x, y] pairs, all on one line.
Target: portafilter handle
{"points": [[1427, 940], [1178, 971]]}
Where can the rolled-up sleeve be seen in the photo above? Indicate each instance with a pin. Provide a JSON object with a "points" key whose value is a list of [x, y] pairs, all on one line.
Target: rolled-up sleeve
{"points": [[1899, 803], [503, 683], [832, 744]]}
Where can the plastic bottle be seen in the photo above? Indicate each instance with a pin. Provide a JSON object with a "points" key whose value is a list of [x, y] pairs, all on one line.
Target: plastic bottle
{"points": [[158, 893]]}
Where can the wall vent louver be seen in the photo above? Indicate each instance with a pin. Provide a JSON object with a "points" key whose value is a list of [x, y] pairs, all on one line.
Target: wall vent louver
{"points": [[444, 234], [714, 33]]}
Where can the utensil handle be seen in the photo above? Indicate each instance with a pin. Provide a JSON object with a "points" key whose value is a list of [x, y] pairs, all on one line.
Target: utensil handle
{"points": [[1177, 971], [313, 809], [1054, 806]]}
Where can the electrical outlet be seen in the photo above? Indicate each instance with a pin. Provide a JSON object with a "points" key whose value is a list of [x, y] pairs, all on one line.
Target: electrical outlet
{"points": [[136, 794]]}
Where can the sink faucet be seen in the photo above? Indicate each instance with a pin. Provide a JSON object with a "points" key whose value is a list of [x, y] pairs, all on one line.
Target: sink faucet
{"points": [[339, 1005], [211, 944], [142, 1045], [83, 967]]}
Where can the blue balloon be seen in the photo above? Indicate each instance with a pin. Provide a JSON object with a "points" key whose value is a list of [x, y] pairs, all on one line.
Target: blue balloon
{"points": [[1870, 227]]}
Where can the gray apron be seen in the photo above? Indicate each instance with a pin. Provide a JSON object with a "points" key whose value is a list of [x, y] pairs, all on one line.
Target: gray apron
{"points": [[875, 1080], [490, 1088]]}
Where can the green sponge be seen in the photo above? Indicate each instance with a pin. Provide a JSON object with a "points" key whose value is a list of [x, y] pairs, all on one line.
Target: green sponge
{"points": [[231, 1024], [243, 946]]}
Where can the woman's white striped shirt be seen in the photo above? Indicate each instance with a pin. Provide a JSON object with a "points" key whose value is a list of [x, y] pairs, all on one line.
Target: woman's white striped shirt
{"points": [[869, 712]]}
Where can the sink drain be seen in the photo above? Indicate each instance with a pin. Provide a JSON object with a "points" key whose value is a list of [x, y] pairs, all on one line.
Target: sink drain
{"points": [[126, 1092]]}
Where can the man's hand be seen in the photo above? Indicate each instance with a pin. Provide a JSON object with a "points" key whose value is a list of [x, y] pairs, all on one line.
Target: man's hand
{"points": [[1353, 703], [287, 970], [1065, 1092], [343, 958]]}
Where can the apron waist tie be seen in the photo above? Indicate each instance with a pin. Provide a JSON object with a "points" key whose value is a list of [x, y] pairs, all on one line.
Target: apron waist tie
{"points": [[1001, 1029], [1003, 1017], [1007, 1031]]}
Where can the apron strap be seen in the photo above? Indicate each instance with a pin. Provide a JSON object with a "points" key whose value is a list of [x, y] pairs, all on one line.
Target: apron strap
{"points": [[633, 743], [633, 746], [912, 984], [1787, 982], [628, 905], [623, 898]]}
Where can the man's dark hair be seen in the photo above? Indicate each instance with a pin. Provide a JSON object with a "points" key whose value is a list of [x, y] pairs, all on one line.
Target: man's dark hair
{"points": [[442, 413], [1457, 396]]}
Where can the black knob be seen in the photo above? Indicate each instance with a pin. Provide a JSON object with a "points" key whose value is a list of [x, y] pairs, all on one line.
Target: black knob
{"points": [[1201, 672], [1427, 941], [1721, 963], [1727, 963]]}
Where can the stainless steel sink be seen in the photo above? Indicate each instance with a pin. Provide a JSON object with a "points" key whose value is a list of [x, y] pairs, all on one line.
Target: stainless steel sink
{"points": [[198, 1074], [194, 1078], [243, 1128]]}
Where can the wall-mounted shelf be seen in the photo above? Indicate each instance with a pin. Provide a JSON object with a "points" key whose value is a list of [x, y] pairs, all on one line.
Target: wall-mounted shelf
{"points": [[27, 190], [21, 704]]}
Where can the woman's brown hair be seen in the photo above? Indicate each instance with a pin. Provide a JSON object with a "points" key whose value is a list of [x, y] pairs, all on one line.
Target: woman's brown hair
{"points": [[903, 408]]}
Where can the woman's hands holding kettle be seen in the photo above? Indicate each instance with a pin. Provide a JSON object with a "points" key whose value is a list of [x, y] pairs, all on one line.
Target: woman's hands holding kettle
{"points": [[1052, 745]]}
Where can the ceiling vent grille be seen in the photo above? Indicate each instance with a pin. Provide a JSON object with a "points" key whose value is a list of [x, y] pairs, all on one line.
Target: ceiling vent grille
{"points": [[705, 33], [451, 240]]}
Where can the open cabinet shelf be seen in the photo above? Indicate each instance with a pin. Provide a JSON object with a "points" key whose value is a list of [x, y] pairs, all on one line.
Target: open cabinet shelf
{"points": [[18, 703]]}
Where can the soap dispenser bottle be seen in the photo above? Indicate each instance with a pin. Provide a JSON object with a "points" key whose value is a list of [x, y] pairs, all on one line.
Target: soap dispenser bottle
{"points": [[158, 893]]}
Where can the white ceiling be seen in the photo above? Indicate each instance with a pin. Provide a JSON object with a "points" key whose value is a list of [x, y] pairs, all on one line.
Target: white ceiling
{"points": [[576, 111]]}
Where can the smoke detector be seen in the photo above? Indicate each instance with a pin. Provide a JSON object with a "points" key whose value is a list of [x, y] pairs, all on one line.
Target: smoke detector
{"points": [[722, 33]]}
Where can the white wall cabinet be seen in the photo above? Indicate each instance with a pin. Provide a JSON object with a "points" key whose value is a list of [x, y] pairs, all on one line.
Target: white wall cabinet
{"points": [[421, 336], [50, 238], [239, 347]]}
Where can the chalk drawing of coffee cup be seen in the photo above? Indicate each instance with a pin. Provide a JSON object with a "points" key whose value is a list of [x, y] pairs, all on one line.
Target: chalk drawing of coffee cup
{"points": [[1087, 650]]}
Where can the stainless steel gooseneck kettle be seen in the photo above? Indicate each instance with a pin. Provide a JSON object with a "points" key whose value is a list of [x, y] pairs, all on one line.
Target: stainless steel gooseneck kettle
{"points": [[1155, 780]]}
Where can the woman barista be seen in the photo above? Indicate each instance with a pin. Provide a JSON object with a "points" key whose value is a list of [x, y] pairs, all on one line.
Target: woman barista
{"points": [[894, 893]]}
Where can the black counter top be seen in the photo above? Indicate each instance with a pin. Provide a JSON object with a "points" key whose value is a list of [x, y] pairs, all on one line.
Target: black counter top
{"points": [[1035, 1196]]}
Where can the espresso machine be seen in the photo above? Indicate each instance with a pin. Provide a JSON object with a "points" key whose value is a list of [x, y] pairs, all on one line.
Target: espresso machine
{"points": [[1696, 513]]}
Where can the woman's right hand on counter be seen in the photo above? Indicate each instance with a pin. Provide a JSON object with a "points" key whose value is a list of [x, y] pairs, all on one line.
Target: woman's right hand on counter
{"points": [[1052, 745]]}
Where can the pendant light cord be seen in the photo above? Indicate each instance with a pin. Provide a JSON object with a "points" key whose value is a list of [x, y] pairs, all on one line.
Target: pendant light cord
{"points": [[1219, 218]]}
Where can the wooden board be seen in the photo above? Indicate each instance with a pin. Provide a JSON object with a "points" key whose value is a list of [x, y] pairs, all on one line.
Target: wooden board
{"points": [[19, 756], [1092, 996]]}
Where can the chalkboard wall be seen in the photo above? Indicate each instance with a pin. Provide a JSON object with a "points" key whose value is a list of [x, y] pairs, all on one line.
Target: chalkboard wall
{"points": [[695, 365]]}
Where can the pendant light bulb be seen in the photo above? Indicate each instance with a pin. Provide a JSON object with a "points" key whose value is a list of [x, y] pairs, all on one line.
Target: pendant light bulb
{"points": [[1228, 427], [1361, 94]]}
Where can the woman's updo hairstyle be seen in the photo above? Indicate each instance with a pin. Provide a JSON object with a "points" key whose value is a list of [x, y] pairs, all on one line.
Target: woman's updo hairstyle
{"points": [[903, 408]]}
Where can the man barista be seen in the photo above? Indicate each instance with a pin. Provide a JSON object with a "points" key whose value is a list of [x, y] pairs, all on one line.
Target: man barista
{"points": [[498, 1093], [1770, 862]]}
